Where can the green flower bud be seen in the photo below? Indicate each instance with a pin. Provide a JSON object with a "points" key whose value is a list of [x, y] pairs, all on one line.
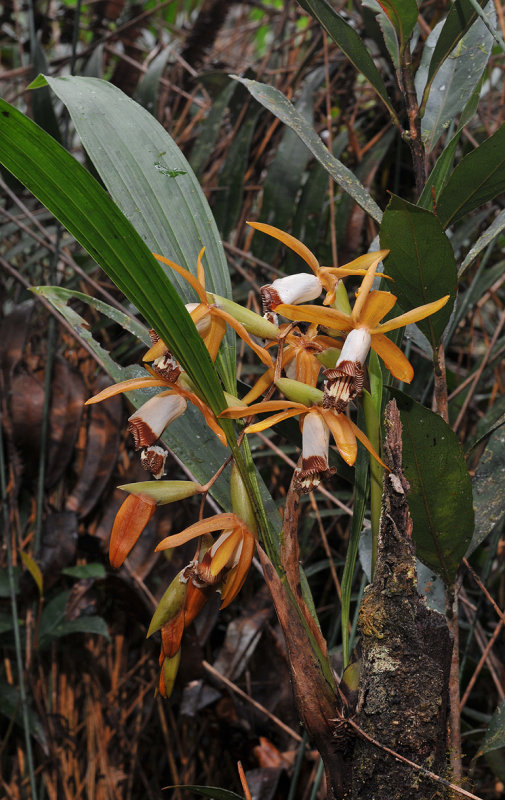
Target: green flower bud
{"points": [[252, 322], [299, 392], [163, 492], [170, 604], [329, 357], [240, 501], [170, 668]]}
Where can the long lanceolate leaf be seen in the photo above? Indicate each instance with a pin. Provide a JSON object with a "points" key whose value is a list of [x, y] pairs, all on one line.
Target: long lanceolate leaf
{"points": [[85, 209], [351, 44], [279, 105]]}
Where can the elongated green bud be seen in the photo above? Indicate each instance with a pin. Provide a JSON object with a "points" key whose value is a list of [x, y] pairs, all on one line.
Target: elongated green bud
{"points": [[163, 492], [252, 322], [233, 401], [329, 357], [170, 668], [299, 392], [170, 604], [240, 501], [341, 302]]}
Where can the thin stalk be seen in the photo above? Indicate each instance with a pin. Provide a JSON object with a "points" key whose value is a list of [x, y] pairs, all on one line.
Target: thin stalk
{"points": [[372, 422], [15, 621], [406, 81]]}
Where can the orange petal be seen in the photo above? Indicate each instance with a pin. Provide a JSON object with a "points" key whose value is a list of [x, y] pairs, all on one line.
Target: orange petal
{"points": [[131, 519], [171, 634], [126, 386], [261, 385], [216, 523], [195, 601], [200, 273], [377, 305], [214, 337], [396, 362], [273, 420], [307, 368], [412, 316], [224, 552], [290, 241], [329, 317], [156, 351], [262, 354], [209, 417], [199, 289], [235, 412], [366, 442], [366, 283], [343, 435], [235, 580]]}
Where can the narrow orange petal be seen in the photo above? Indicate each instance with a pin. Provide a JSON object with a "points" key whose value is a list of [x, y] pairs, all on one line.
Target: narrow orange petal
{"points": [[235, 580], [366, 442], [126, 386], [273, 420], [216, 523], [343, 435], [261, 385], [195, 601], [329, 317], [376, 306], [210, 419], [200, 273], [366, 283], [307, 368], [290, 241], [214, 337], [131, 519], [262, 354], [412, 316], [224, 552], [156, 351], [235, 412], [199, 289], [396, 362]]}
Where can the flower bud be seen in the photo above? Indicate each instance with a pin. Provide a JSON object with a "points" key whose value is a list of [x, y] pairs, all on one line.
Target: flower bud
{"points": [[169, 674], [300, 392], [162, 492], [240, 501], [150, 420], [291, 290], [254, 324], [130, 521], [171, 604]]}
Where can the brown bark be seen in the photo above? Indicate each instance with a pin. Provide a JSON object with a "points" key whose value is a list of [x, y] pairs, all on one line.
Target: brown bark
{"points": [[406, 656]]}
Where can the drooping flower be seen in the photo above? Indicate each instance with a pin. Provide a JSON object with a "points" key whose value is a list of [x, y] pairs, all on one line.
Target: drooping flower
{"points": [[226, 563], [363, 331], [302, 287], [216, 318], [315, 440]]}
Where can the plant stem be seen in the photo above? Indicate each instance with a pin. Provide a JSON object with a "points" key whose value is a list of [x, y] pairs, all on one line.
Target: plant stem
{"points": [[406, 81]]}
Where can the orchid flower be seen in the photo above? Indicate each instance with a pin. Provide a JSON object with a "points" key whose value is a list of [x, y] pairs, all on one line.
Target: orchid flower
{"points": [[317, 423], [211, 319], [302, 287], [363, 331], [226, 562]]}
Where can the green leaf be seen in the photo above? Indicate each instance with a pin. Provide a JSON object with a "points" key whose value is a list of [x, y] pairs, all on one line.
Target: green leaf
{"points": [[10, 706], [84, 208], [135, 156], [440, 495], [279, 105], [488, 489], [478, 178], [485, 239], [421, 262], [147, 90], [351, 44], [439, 175], [403, 16], [495, 734], [206, 139], [209, 791], [387, 29], [34, 570], [86, 571], [461, 16], [455, 80]]}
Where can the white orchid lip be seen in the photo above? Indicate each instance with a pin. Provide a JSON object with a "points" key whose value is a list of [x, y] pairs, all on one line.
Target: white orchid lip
{"points": [[151, 419], [345, 381], [153, 460], [315, 445], [291, 290]]}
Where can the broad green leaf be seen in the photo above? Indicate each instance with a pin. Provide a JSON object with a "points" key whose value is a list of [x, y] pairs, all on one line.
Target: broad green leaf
{"points": [[34, 570], [485, 239], [85, 209], [209, 791], [387, 29], [147, 90], [279, 105], [488, 488], [440, 495], [439, 175], [495, 734], [188, 436], [478, 178], [351, 44], [421, 262], [461, 16], [206, 139], [152, 183], [403, 16], [455, 80]]}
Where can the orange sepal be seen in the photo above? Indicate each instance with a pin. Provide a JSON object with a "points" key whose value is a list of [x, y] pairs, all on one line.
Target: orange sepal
{"points": [[218, 522], [294, 244], [235, 580], [224, 552], [329, 317], [195, 601], [126, 386], [188, 276], [131, 519], [394, 359], [171, 634], [343, 435]]}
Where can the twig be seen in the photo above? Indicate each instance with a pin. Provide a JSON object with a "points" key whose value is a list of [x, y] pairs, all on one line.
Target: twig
{"points": [[210, 669]]}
